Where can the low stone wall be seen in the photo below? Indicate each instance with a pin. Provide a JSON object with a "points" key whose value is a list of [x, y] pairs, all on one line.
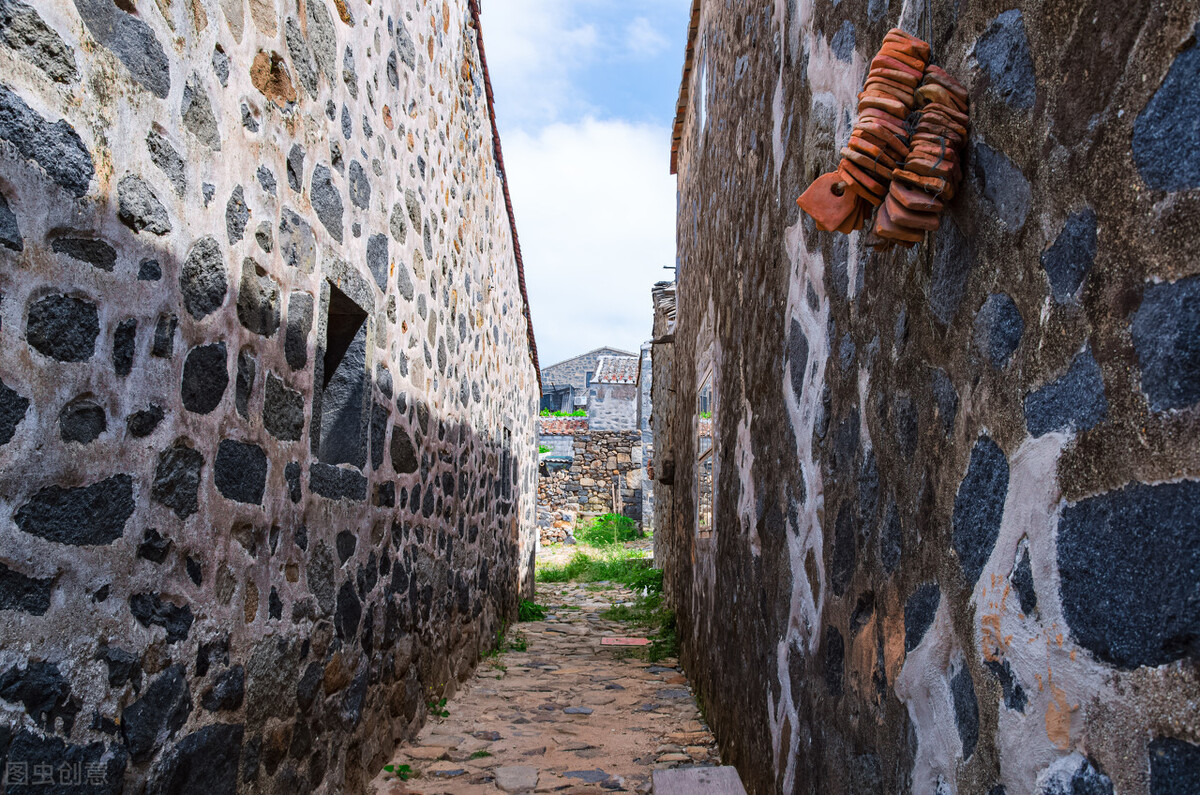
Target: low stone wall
{"points": [[585, 487]]}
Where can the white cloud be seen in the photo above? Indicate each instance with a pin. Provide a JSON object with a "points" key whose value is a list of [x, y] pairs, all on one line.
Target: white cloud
{"points": [[533, 46], [643, 40], [595, 210]]}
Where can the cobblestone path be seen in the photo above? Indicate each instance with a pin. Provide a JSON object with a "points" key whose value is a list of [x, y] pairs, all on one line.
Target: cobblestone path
{"points": [[565, 715]]}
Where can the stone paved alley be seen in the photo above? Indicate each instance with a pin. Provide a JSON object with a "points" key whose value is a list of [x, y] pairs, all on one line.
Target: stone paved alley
{"points": [[565, 715]]}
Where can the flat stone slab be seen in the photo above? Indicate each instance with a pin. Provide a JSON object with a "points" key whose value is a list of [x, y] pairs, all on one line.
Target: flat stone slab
{"points": [[698, 781], [624, 641], [516, 778]]}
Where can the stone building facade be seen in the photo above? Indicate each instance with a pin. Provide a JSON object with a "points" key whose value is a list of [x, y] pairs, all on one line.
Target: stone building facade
{"points": [[268, 386], [566, 385], [613, 396], [956, 489]]}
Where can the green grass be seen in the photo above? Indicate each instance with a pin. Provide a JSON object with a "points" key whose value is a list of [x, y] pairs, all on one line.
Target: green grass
{"points": [[528, 611], [543, 448], [480, 755], [612, 564], [576, 413], [607, 530]]}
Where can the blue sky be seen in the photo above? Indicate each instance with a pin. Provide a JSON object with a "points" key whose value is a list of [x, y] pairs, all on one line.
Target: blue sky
{"points": [[585, 96]]}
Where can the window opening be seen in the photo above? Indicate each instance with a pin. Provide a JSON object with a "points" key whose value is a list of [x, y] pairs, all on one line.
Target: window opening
{"points": [[704, 456], [343, 438]]}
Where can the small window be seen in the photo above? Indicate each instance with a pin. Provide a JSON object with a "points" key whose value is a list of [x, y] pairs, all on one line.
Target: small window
{"points": [[342, 427], [588, 378], [704, 456]]}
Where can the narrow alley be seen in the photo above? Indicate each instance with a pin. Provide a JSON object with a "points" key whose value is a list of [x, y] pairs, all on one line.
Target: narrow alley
{"points": [[558, 711]]}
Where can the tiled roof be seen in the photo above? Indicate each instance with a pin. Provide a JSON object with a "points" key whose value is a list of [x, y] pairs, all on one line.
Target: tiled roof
{"points": [[562, 426], [616, 370], [684, 85]]}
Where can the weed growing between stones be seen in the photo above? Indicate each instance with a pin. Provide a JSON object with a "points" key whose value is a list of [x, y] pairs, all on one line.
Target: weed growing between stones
{"points": [[528, 611], [403, 772]]}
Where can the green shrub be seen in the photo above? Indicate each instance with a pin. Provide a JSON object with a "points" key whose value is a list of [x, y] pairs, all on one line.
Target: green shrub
{"points": [[612, 564], [611, 528], [543, 448], [528, 611], [576, 413]]}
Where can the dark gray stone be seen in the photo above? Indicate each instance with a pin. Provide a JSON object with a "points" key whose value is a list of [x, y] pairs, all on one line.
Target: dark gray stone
{"points": [[834, 652], [240, 471], [203, 763], [1022, 580], [237, 215], [142, 423], [56, 147], [797, 358], [319, 571], [149, 270], [891, 539], [10, 231], [208, 191], [396, 224], [169, 161], [138, 207], [297, 243], [81, 515], [96, 253], [177, 479], [347, 123], [150, 609], [202, 279], [1074, 401], [966, 710], [148, 723], [1002, 184], [1164, 139], [337, 483], [998, 329], [35, 42], [198, 116], [248, 120], [979, 507], [274, 605], [44, 691], [383, 380], [154, 547], [12, 411], [302, 58], [205, 378], [953, 257], [377, 259], [1014, 695], [1074, 775], [131, 40], [295, 167], [393, 75], [322, 37], [21, 592], [283, 410], [220, 65], [404, 455], [379, 422], [405, 46], [124, 337], [919, 612], [326, 201], [299, 324], [163, 344], [258, 300], [343, 437], [360, 186], [1069, 259], [82, 421], [227, 692], [842, 42], [266, 178], [348, 612], [1174, 767], [844, 552], [906, 425], [1129, 562], [1166, 336], [194, 572], [271, 674], [404, 282], [1002, 52], [123, 666], [106, 764], [946, 398], [345, 543]]}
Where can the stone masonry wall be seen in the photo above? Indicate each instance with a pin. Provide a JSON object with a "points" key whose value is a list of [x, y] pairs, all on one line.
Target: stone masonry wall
{"points": [[613, 407], [585, 487], [267, 389], [957, 488]]}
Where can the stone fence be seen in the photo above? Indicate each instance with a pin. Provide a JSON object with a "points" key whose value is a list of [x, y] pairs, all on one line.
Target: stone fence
{"points": [[603, 475]]}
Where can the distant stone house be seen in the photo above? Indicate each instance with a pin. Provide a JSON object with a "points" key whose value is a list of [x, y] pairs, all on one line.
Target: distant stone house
{"points": [[565, 385]]}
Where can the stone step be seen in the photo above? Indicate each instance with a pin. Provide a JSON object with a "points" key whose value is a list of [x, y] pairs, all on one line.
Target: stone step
{"points": [[698, 781]]}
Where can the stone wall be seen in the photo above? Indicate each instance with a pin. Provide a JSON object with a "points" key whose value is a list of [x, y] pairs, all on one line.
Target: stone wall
{"points": [[613, 407], [570, 490], [267, 387], [958, 486], [647, 434]]}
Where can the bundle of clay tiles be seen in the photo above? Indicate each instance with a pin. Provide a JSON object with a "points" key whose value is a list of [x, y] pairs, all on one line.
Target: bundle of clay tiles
{"points": [[905, 164]]}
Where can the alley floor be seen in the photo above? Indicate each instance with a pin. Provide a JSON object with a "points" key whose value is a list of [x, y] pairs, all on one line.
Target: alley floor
{"points": [[565, 714]]}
